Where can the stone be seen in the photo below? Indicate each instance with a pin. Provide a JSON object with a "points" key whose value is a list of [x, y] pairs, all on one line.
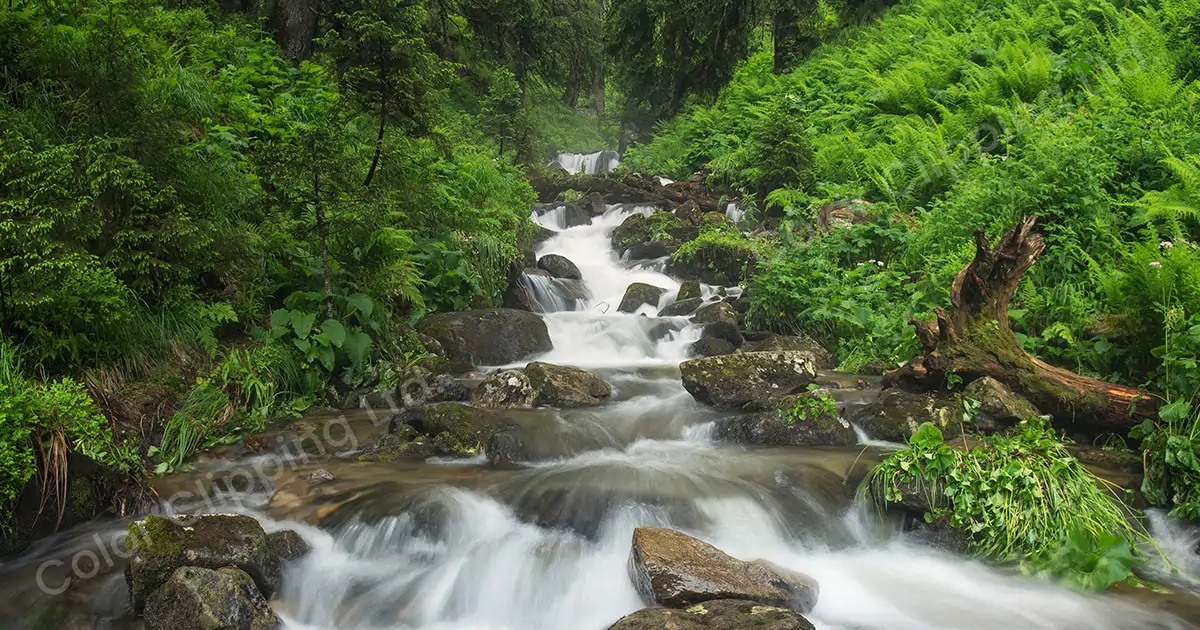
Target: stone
{"points": [[564, 387], [720, 614], [196, 598], [559, 267], [509, 389], [731, 381], [518, 295], [634, 230], [157, 546], [673, 569], [421, 391], [288, 546], [594, 204], [711, 347], [723, 330], [640, 293], [715, 312], [483, 337], [506, 448], [688, 289], [689, 212], [998, 402], [321, 476], [876, 368], [681, 307], [466, 428], [648, 251], [779, 424], [896, 414], [780, 343]]}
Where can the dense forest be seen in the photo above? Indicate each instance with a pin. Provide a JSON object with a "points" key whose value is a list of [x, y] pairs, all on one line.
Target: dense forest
{"points": [[216, 214]]}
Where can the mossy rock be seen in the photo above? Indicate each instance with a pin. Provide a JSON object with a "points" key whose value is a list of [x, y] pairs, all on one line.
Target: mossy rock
{"points": [[195, 598], [896, 414], [778, 424], [564, 387], [722, 614], [681, 307], [716, 312], [287, 545], [496, 336], [158, 546], [688, 289], [467, 428], [780, 343], [731, 381], [509, 389], [711, 347], [640, 293], [997, 402], [726, 331]]}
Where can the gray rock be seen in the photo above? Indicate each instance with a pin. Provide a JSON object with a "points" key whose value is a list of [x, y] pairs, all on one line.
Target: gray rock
{"points": [[711, 347], [721, 614], [723, 330], [288, 546], [494, 336], [998, 402], [562, 386], [195, 598], [681, 307], [779, 343], [463, 429], [688, 289], [896, 414], [509, 389], [157, 546], [780, 424], [731, 381], [321, 476], [640, 293], [422, 391], [689, 212], [716, 312], [559, 267], [675, 570]]}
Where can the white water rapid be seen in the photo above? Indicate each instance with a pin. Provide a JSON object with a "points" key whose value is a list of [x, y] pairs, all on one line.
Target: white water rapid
{"points": [[595, 163], [461, 546]]}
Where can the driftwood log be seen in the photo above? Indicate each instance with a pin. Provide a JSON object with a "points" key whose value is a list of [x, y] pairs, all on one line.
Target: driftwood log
{"points": [[973, 339]]}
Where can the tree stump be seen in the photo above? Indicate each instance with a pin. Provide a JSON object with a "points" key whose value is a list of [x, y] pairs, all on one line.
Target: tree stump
{"points": [[973, 339]]}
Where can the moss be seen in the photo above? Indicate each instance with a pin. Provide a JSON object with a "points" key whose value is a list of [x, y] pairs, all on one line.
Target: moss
{"points": [[156, 536]]}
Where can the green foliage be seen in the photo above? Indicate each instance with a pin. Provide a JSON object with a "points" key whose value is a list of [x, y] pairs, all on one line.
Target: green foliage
{"points": [[813, 406], [1019, 498]]}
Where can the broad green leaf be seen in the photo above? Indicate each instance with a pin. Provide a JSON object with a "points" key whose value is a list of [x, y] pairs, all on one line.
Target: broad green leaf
{"points": [[279, 320], [362, 303], [325, 354], [302, 323], [335, 331], [357, 346]]}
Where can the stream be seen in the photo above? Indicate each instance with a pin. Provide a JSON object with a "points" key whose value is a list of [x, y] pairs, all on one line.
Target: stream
{"points": [[460, 545]]}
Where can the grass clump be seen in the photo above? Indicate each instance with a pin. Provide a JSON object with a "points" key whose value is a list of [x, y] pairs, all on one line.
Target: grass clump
{"points": [[1018, 498]]}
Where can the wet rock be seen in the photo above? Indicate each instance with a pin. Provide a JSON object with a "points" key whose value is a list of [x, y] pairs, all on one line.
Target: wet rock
{"points": [[689, 213], [716, 312], [725, 331], [896, 414], [688, 289], [681, 307], [648, 251], [573, 214], [509, 389], [488, 336], [559, 267], [779, 343], [731, 381], [288, 546], [634, 230], [562, 386], [721, 614], [584, 507], [711, 347], [661, 330], [528, 258], [997, 402], [467, 428], [506, 448], [876, 368], [195, 598], [421, 391], [518, 295], [321, 476], [675, 570], [640, 293], [160, 545], [787, 422]]}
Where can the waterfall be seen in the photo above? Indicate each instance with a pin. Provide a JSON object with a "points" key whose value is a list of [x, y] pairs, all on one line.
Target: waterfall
{"points": [[596, 163]]}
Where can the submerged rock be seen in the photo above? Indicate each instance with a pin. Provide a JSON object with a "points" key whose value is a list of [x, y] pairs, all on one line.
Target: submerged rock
{"points": [[640, 293], [675, 570], [721, 614], [681, 307], [730, 381], [997, 402], [562, 386], [786, 420], [823, 360], [494, 336], [158, 546], [195, 598], [559, 267], [509, 389]]}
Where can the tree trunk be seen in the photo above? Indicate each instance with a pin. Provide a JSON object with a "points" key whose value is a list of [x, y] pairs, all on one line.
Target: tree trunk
{"points": [[574, 81], [321, 231], [973, 339], [382, 125]]}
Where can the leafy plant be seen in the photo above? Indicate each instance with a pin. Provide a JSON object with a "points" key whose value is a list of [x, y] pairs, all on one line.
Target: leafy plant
{"points": [[813, 406]]}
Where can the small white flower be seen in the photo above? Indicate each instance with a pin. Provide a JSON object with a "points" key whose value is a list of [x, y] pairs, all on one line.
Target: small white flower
{"points": [[879, 262], [1156, 264], [1166, 244]]}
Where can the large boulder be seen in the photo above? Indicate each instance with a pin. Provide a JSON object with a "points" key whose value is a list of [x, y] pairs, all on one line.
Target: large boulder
{"points": [[675, 570], [519, 294], [711, 347], [594, 204], [688, 289], [896, 414], [287, 545], [559, 267], [460, 429], [562, 386], [714, 313], [799, 420], [689, 212], [780, 343], [495, 336], [421, 391], [195, 598], [640, 293], [720, 614], [731, 381], [997, 402], [158, 546], [681, 307], [509, 389], [723, 330], [634, 230]]}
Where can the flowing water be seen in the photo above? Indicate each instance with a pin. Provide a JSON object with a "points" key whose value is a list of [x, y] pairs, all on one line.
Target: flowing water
{"points": [[595, 163], [457, 545]]}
